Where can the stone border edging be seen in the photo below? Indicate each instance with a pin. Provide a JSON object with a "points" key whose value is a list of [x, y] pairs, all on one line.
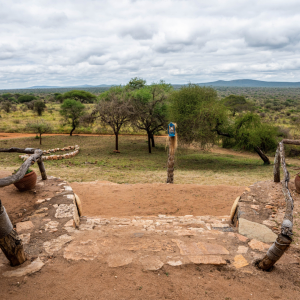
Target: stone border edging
{"points": [[56, 157]]}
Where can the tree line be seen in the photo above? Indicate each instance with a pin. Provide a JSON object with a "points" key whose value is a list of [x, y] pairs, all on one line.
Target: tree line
{"points": [[200, 115]]}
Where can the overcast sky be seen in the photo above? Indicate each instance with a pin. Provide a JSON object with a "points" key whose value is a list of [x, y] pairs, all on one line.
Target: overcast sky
{"points": [[71, 42]]}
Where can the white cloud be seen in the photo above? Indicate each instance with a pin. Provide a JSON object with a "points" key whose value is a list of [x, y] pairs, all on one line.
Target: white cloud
{"points": [[51, 42]]}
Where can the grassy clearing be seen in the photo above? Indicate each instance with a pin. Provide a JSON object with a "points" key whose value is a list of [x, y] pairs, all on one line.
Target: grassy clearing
{"points": [[96, 161]]}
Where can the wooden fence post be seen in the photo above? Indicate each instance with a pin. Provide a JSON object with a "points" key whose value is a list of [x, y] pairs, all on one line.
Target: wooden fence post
{"points": [[277, 165], [10, 243], [42, 168], [172, 138]]}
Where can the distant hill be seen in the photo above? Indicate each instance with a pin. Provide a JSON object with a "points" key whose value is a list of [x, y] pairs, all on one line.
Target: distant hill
{"points": [[251, 83], [61, 87]]}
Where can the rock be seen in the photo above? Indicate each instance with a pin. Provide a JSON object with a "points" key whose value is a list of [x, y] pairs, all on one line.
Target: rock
{"points": [[119, 260], [70, 223], [23, 226], [40, 201], [207, 260], [25, 237], [256, 231], [256, 207], [41, 210], [257, 245], [82, 250], [247, 189], [151, 263], [269, 223], [56, 244], [174, 263], [51, 226], [233, 208], [240, 261], [269, 206], [35, 266], [242, 250], [64, 211]]}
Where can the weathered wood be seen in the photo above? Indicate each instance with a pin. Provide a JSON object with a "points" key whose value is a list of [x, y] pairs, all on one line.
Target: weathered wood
{"points": [[11, 245], [42, 169], [171, 159], [18, 150], [284, 239], [262, 155], [291, 142], [275, 252], [277, 166], [23, 169]]}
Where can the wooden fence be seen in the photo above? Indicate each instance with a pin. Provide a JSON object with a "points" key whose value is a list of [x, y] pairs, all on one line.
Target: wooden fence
{"points": [[10, 243]]}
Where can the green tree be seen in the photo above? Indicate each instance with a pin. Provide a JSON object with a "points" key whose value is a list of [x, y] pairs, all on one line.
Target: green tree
{"points": [[26, 98], [82, 96], [150, 109], [136, 83], [236, 103], [197, 112], [39, 127], [72, 110], [39, 107]]}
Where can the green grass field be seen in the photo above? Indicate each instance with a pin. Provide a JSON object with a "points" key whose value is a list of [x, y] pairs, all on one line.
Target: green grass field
{"points": [[96, 161]]}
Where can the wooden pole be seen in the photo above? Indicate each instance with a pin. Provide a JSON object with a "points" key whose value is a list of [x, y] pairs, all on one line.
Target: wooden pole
{"points": [[171, 158], [284, 239], [42, 168], [277, 166], [10, 243]]}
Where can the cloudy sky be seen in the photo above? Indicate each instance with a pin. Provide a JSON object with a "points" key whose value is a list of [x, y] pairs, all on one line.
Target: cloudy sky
{"points": [[71, 42]]}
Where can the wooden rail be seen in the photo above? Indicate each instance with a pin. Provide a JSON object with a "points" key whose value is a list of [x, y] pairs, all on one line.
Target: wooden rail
{"points": [[35, 157], [284, 239]]}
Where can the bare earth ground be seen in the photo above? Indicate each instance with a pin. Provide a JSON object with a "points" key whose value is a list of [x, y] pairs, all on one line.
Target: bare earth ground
{"points": [[117, 200]]}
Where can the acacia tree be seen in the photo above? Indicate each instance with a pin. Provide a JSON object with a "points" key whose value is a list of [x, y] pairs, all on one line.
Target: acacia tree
{"points": [[6, 106], [237, 103], [82, 96], [150, 109], [114, 110], [39, 127], [72, 110]]}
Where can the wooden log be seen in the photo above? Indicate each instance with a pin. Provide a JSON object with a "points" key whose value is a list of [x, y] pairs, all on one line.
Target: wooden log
{"points": [[11, 245], [23, 169], [291, 142], [275, 252], [18, 150], [171, 160], [42, 169], [277, 166]]}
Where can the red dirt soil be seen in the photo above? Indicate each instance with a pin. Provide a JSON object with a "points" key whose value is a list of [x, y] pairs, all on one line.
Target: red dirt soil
{"points": [[115, 200]]}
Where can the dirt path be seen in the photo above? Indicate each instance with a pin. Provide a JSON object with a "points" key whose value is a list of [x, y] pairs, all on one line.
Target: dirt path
{"points": [[108, 199]]}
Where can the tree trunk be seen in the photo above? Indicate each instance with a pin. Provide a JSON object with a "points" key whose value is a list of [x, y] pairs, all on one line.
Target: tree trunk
{"points": [[72, 130], [10, 243], [117, 140], [149, 142], [262, 156], [152, 139], [40, 139]]}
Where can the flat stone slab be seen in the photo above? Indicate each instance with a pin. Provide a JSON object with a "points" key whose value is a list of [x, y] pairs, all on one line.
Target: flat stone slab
{"points": [[257, 245], [119, 260], [256, 231], [240, 261], [82, 250], [24, 226], [151, 263], [35, 266], [195, 249], [56, 244], [207, 260]]}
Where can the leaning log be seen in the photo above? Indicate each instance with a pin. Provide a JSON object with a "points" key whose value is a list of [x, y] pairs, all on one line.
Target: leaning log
{"points": [[10, 243], [23, 169], [284, 239], [42, 168]]}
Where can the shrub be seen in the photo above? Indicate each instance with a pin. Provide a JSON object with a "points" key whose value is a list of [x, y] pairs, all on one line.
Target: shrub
{"points": [[26, 98]]}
